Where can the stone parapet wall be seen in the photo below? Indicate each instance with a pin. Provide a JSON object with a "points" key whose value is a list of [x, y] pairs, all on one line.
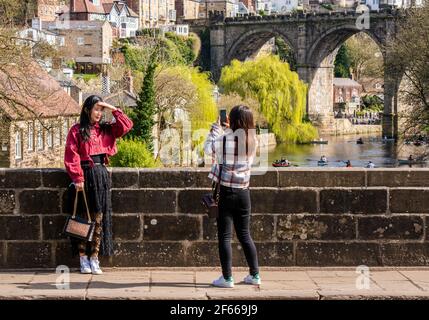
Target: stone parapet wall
{"points": [[301, 217]]}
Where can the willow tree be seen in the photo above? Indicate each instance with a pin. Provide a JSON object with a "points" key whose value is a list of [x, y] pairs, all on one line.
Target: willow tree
{"points": [[280, 93], [184, 99]]}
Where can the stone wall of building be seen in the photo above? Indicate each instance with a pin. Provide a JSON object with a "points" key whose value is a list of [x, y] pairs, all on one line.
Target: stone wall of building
{"points": [[345, 126], [46, 154], [301, 217]]}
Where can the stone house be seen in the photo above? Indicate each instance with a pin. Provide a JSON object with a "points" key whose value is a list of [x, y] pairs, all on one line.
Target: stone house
{"points": [[228, 8], [35, 118], [154, 13], [187, 9], [87, 43], [48, 10]]}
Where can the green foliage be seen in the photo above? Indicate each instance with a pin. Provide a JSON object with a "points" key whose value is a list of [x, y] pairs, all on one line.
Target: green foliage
{"points": [[366, 59], [171, 50], [201, 108], [135, 57], [342, 63], [204, 58], [85, 76], [70, 64], [204, 109], [285, 52], [143, 114], [133, 153], [279, 91], [372, 103], [327, 6], [184, 45]]}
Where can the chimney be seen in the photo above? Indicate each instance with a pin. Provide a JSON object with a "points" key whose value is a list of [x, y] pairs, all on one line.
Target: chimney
{"points": [[105, 82]]}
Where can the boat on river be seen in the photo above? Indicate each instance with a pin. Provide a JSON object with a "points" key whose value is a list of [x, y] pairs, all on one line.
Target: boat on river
{"points": [[321, 141], [413, 161], [282, 163]]}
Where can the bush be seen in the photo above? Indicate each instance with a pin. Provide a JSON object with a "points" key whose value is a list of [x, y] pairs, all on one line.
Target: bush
{"points": [[372, 103], [133, 153]]}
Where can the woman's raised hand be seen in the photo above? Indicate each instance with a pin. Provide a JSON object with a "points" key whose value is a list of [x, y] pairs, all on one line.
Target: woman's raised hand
{"points": [[106, 105]]}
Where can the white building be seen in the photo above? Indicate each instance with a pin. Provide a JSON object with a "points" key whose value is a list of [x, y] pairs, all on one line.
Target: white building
{"points": [[283, 6], [179, 29], [402, 3], [263, 5], [125, 20], [372, 4], [36, 35]]}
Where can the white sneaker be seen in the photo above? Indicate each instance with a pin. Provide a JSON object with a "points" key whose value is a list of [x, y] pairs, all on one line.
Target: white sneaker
{"points": [[222, 283], [85, 267], [249, 279], [95, 266]]}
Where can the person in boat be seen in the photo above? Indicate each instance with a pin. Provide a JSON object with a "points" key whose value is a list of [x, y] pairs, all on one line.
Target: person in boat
{"points": [[411, 158], [284, 161], [348, 164], [360, 141], [323, 159], [370, 164]]}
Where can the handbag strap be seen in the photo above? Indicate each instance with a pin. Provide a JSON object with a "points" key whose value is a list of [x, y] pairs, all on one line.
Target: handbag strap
{"points": [[217, 189], [86, 204]]}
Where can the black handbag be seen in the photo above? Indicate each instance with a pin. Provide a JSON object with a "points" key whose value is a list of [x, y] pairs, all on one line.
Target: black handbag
{"points": [[79, 227], [210, 201]]}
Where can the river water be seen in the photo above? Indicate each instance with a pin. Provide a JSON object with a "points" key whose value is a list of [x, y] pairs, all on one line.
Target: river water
{"points": [[342, 148]]}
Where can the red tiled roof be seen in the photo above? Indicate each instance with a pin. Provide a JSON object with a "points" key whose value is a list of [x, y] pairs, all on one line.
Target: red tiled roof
{"points": [[105, 7], [108, 7], [87, 6], [133, 13], [32, 92]]}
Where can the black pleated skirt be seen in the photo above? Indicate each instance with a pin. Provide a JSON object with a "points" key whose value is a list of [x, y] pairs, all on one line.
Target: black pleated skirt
{"points": [[98, 194]]}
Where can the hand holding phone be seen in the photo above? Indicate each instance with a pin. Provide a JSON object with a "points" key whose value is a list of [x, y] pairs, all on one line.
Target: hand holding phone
{"points": [[223, 118]]}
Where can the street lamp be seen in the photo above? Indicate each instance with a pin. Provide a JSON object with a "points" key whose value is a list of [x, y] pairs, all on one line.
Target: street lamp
{"points": [[216, 94]]}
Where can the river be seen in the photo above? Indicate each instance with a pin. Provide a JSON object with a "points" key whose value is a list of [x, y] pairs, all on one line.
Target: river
{"points": [[342, 148]]}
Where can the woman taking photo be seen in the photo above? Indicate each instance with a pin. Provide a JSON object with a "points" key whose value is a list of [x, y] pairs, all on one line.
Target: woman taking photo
{"points": [[235, 149], [89, 145]]}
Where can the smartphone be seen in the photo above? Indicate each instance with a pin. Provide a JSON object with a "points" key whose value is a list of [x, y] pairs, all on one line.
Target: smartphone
{"points": [[223, 116]]}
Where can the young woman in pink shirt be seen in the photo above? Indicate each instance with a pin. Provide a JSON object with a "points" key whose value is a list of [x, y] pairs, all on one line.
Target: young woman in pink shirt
{"points": [[89, 145]]}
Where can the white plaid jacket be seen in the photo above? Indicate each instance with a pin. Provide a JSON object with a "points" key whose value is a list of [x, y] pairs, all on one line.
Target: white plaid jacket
{"points": [[236, 167]]}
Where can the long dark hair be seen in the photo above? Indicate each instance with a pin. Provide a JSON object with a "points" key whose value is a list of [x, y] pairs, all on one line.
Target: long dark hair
{"points": [[85, 117], [241, 117]]}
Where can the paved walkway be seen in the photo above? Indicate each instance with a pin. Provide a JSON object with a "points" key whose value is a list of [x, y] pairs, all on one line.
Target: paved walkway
{"points": [[193, 283]]}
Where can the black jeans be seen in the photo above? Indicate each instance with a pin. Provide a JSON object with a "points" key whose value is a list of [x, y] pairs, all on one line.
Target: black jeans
{"points": [[234, 208]]}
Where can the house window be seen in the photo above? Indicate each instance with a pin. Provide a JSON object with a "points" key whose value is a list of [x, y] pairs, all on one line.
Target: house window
{"points": [[60, 41], [65, 130], [39, 137], [80, 41], [30, 136], [50, 138], [18, 145], [57, 137]]}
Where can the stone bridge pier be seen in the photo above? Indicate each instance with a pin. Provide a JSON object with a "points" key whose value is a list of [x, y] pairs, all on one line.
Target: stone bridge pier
{"points": [[314, 40]]}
